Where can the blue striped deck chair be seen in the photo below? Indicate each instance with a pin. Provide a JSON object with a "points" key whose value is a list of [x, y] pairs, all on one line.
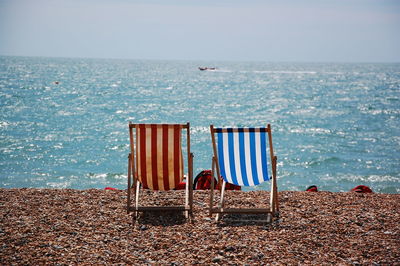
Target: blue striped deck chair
{"points": [[241, 158]]}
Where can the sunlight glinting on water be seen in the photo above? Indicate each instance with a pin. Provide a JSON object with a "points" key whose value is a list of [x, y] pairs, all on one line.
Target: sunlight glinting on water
{"points": [[64, 122]]}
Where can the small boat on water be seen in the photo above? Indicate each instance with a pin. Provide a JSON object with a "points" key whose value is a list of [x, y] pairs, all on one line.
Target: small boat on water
{"points": [[207, 68]]}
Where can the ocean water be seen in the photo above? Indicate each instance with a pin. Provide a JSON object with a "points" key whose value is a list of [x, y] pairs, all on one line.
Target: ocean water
{"points": [[64, 122]]}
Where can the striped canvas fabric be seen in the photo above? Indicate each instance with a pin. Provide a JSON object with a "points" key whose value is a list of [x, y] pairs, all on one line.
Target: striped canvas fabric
{"points": [[242, 155], [159, 161]]}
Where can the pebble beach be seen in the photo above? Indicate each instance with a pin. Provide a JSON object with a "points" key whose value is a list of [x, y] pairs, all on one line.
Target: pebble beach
{"points": [[66, 226]]}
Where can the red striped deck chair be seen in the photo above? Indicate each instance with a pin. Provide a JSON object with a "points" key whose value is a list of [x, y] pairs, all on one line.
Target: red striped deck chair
{"points": [[241, 158], [156, 162]]}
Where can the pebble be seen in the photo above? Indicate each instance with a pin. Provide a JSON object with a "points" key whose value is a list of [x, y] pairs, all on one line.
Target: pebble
{"points": [[217, 259]]}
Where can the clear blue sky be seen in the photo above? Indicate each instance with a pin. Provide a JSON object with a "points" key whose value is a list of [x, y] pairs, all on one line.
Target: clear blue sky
{"points": [[266, 30]]}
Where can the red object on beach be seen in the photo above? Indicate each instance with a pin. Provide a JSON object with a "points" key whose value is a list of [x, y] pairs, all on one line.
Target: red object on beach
{"points": [[312, 189], [230, 186], [203, 182], [110, 188], [362, 189], [181, 186]]}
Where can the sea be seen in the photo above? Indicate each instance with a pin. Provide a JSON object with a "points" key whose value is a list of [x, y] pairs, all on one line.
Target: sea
{"points": [[64, 121]]}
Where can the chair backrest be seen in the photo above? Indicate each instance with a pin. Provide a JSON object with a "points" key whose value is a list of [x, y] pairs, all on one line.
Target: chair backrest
{"points": [[242, 155], [159, 160]]}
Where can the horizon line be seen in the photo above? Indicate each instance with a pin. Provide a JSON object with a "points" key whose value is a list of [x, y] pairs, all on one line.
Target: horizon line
{"points": [[203, 60]]}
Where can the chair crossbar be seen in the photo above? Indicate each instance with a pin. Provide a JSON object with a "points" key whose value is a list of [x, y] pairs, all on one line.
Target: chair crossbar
{"points": [[234, 130], [241, 210], [160, 208], [133, 125], [268, 220]]}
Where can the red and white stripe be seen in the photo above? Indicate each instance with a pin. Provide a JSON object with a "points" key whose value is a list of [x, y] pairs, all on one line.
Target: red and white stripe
{"points": [[159, 158]]}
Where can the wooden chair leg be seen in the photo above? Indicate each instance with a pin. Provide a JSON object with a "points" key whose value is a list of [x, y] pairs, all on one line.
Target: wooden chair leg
{"points": [[222, 202], [128, 205], [212, 187], [190, 181], [137, 199], [187, 196], [275, 188]]}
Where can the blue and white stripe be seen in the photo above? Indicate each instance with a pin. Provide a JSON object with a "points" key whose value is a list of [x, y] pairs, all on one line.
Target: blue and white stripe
{"points": [[242, 155]]}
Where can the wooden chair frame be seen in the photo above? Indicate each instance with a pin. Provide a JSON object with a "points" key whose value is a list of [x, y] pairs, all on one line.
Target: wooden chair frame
{"points": [[134, 184], [220, 210]]}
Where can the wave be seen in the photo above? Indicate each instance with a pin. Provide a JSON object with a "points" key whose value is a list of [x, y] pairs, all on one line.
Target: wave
{"points": [[283, 72]]}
